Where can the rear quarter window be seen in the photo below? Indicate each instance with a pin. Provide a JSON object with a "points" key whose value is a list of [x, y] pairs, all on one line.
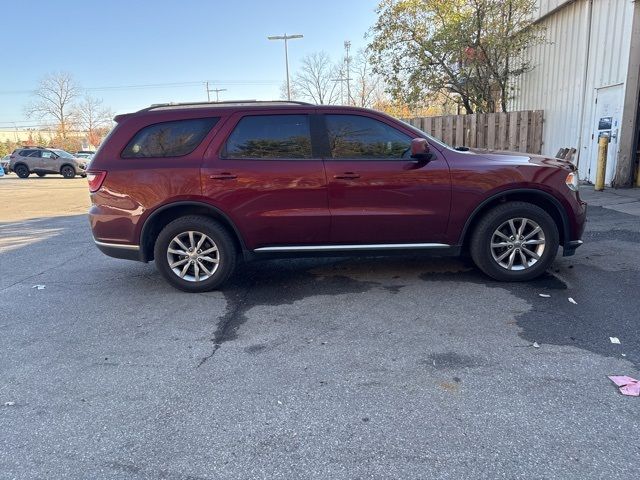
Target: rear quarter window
{"points": [[169, 139]]}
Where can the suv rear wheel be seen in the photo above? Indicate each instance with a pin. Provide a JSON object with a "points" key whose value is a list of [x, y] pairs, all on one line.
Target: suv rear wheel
{"points": [[21, 170], [516, 241], [195, 254], [68, 171]]}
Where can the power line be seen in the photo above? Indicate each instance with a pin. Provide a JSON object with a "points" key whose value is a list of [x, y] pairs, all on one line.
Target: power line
{"points": [[217, 90], [7, 128], [158, 85]]}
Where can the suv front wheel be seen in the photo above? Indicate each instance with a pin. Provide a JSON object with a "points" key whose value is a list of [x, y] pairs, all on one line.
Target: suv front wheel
{"points": [[195, 254], [516, 241], [68, 171]]}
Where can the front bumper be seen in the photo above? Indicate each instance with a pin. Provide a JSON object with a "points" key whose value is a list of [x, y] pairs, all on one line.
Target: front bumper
{"points": [[569, 248], [577, 222]]}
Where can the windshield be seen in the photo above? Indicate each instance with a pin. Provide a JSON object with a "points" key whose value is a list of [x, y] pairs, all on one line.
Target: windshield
{"points": [[62, 153], [429, 137]]}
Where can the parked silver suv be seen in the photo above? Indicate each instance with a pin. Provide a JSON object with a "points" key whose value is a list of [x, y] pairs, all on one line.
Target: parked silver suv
{"points": [[25, 161], [4, 163]]}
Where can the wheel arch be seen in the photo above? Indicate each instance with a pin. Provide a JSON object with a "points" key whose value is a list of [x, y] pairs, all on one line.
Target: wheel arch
{"points": [[165, 214], [18, 164], [542, 199]]}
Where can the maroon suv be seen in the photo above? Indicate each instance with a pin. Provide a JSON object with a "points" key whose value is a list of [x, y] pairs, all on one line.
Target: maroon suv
{"points": [[195, 187]]}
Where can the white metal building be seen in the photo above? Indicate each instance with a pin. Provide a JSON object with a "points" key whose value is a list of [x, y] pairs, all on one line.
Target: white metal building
{"points": [[585, 78]]}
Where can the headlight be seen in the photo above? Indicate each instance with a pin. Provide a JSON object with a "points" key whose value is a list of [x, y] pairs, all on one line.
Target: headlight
{"points": [[572, 181]]}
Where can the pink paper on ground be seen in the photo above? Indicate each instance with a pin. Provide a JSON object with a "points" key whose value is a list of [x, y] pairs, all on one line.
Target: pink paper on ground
{"points": [[631, 389], [628, 386], [621, 380]]}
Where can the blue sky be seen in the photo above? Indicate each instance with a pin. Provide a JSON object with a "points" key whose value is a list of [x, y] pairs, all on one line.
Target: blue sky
{"points": [[109, 46]]}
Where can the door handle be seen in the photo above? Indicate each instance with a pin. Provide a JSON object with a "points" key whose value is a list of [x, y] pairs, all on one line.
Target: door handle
{"points": [[223, 176], [347, 176]]}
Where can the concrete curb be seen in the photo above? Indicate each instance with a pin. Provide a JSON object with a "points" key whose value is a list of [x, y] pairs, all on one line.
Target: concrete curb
{"points": [[621, 200]]}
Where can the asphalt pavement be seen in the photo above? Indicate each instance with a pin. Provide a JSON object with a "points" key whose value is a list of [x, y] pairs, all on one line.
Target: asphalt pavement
{"points": [[390, 368]]}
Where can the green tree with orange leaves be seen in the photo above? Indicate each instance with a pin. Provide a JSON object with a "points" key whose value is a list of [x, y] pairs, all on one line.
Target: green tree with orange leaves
{"points": [[470, 50]]}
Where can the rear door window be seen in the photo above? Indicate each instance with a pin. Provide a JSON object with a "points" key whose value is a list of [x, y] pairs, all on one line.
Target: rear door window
{"points": [[35, 154], [270, 137], [169, 139], [359, 137]]}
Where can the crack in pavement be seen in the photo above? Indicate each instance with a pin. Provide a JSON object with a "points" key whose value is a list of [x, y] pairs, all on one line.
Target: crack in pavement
{"points": [[22, 280], [228, 324]]}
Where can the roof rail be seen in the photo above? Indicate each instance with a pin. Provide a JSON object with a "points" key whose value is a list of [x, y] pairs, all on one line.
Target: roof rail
{"points": [[227, 102]]}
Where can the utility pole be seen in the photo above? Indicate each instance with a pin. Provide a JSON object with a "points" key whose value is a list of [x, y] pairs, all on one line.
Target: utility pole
{"points": [[217, 90], [347, 59], [285, 37]]}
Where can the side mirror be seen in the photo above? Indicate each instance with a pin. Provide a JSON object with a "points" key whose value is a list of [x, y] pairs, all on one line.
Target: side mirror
{"points": [[420, 149]]}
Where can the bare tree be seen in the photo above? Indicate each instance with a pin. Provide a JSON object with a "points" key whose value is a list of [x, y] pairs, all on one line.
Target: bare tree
{"points": [[93, 118], [367, 86], [54, 99], [315, 80]]}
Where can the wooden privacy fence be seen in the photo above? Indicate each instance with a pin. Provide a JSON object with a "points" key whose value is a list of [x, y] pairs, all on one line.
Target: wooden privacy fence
{"points": [[516, 131]]}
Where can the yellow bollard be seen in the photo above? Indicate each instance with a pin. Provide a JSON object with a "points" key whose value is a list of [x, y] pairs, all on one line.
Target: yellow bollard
{"points": [[601, 168]]}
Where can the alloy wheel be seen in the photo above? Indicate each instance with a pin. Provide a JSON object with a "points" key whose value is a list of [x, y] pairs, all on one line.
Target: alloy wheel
{"points": [[193, 256], [517, 244], [68, 172], [22, 171]]}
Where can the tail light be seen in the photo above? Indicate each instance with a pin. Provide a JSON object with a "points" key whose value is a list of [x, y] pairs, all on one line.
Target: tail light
{"points": [[95, 179]]}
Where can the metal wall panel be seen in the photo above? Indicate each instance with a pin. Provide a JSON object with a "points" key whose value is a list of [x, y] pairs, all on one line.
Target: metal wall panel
{"points": [[555, 84], [546, 6], [608, 62], [569, 68]]}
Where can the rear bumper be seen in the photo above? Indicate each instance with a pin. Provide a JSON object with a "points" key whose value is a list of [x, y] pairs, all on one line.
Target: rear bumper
{"points": [[119, 250]]}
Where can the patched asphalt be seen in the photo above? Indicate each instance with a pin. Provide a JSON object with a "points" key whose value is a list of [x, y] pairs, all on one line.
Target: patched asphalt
{"points": [[401, 367]]}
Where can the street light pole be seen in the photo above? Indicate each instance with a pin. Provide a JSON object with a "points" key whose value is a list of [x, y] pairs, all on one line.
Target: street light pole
{"points": [[286, 37]]}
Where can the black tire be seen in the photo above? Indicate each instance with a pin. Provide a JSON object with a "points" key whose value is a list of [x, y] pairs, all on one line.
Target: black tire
{"points": [[481, 239], [226, 252], [22, 170], [67, 171], [40, 174]]}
